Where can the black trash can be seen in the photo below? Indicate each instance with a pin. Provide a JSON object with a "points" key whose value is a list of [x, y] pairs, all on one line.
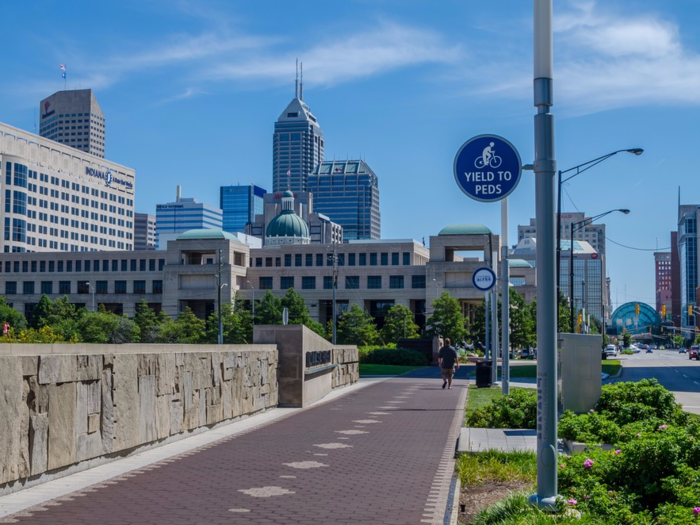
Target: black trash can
{"points": [[483, 373]]}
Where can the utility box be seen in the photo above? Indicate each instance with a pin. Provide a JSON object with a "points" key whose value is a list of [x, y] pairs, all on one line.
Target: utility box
{"points": [[483, 373], [580, 371]]}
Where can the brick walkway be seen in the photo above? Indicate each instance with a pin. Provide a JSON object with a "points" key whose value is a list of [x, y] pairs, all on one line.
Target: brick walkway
{"points": [[382, 454]]}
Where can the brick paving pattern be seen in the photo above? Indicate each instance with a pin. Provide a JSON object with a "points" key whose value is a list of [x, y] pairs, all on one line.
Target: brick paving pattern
{"points": [[380, 455]]}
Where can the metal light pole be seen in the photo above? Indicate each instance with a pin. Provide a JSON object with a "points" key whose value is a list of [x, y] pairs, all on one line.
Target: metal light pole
{"points": [[577, 171], [505, 301], [545, 169], [576, 226], [334, 253], [92, 288], [253, 303], [220, 332]]}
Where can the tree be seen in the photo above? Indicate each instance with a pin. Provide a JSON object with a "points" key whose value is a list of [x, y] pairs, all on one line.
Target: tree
{"points": [[298, 311], [41, 313], [187, 328], [564, 314], [148, 322], [399, 324], [446, 319], [356, 327], [678, 341], [268, 310], [236, 325], [11, 316], [522, 326], [626, 339], [106, 328]]}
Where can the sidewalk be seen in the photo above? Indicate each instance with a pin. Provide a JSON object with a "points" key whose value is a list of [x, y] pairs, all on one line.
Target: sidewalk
{"points": [[379, 454]]}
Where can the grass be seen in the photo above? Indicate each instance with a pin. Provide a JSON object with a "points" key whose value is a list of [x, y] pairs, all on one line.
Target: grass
{"points": [[529, 371], [385, 370], [475, 469], [480, 397]]}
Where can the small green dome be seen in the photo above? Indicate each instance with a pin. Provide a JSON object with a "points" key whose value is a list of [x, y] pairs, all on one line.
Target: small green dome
{"points": [[518, 263], [465, 229], [287, 224], [288, 193], [206, 234]]}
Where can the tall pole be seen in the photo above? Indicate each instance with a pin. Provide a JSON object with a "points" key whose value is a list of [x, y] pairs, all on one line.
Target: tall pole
{"points": [[505, 301], [545, 171], [335, 286], [253, 303], [571, 283], [584, 325], [487, 330], [558, 242], [220, 338], [494, 322]]}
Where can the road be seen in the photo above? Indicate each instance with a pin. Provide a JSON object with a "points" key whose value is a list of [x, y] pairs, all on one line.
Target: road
{"points": [[673, 370]]}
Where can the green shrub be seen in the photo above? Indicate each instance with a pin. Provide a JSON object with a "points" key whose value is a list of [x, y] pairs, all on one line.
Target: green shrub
{"points": [[515, 410], [627, 352], [647, 392], [396, 356]]}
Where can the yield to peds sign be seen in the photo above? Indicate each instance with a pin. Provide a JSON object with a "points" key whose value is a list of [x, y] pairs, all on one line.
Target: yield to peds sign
{"points": [[487, 168]]}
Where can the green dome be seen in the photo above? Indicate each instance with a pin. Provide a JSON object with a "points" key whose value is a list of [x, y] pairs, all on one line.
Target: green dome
{"points": [[288, 193], [206, 234], [287, 224], [465, 229], [518, 263]]}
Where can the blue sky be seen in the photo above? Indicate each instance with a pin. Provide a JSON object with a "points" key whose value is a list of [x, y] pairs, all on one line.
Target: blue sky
{"points": [[191, 91]]}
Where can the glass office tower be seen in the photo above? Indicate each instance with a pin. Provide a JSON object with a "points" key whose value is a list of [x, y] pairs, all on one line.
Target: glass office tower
{"points": [[240, 205], [348, 193]]}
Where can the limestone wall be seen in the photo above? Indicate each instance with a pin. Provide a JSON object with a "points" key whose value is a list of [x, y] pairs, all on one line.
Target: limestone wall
{"points": [[61, 407], [348, 370]]}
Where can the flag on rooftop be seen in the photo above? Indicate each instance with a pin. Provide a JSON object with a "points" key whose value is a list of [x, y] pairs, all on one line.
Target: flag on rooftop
{"points": [[63, 67]]}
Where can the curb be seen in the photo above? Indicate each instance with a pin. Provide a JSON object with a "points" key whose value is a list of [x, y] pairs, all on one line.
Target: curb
{"points": [[452, 508]]}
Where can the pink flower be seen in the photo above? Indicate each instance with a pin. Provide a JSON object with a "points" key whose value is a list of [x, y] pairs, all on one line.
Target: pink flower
{"points": [[591, 410], [663, 427], [588, 463], [572, 501], [562, 466], [639, 435], [586, 497], [696, 511], [618, 452]]}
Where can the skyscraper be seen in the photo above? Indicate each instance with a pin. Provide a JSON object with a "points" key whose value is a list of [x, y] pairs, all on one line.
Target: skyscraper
{"points": [[297, 145], [348, 192], [74, 118], [144, 231], [240, 205], [183, 215]]}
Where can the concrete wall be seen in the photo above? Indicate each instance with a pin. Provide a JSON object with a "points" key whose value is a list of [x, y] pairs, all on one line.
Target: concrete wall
{"points": [[301, 385], [65, 404]]}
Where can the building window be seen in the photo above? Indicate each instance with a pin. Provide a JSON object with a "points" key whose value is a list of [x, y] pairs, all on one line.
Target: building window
{"points": [[265, 283], [133, 265], [139, 287], [374, 282], [308, 283], [120, 287], [373, 259], [351, 259], [158, 286], [287, 259], [151, 265], [47, 287], [352, 282], [268, 262], [395, 259], [28, 287], [406, 259], [327, 282], [385, 259], [309, 259], [64, 287], [11, 288], [418, 281], [341, 259], [396, 282], [258, 262], [286, 283], [297, 259], [319, 259], [363, 259]]}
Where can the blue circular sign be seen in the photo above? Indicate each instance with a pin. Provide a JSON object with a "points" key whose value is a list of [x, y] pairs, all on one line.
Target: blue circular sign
{"points": [[484, 278], [487, 168]]}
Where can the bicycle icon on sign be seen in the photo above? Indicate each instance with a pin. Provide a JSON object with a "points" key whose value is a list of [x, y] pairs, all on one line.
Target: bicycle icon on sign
{"points": [[488, 158]]}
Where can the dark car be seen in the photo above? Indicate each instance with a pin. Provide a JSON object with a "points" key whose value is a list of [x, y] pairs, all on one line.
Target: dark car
{"points": [[693, 354]]}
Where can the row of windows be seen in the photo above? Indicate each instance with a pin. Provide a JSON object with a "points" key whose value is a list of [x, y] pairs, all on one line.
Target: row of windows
{"points": [[343, 259], [352, 282], [82, 287], [106, 265]]}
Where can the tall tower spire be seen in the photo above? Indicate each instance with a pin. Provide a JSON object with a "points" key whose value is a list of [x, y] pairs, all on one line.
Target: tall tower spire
{"points": [[301, 83], [296, 81]]}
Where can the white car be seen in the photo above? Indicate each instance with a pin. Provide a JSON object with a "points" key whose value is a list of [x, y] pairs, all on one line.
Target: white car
{"points": [[610, 351]]}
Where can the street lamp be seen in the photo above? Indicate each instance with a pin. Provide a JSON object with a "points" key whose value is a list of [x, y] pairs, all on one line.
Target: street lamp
{"points": [[576, 226], [578, 170], [90, 287], [253, 303]]}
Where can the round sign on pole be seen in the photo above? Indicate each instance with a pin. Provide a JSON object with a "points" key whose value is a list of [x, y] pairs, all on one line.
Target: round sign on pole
{"points": [[487, 168], [484, 279]]}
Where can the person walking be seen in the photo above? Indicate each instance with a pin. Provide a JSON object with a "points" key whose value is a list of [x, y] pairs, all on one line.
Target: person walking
{"points": [[448, 362]]}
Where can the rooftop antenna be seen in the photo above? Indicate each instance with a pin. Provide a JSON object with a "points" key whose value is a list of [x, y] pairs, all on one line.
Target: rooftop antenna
{"points": [[301, 82], [296, 82]]}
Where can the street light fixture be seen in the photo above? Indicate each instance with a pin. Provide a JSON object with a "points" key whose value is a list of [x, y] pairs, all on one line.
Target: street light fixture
{"points": [[576, 226], [253, 303], [578, 170]]}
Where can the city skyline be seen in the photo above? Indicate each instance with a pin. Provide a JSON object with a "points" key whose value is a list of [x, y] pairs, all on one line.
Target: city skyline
{"points": [[191, 93]]}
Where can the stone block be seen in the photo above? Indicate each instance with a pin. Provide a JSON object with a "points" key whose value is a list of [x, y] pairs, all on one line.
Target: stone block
{"points": [[148, 364], [226, 399], [89, 367], [107, 411], [229, 361], [188, 391], [57, 369], [163, 416], [81, 411], [39, 445], [126, 401], [214, 414], [24, 462], [88, 446], [264, 371], [93, 423], [30, 365], [62, 425], [202, 407], [176, 418], [40, 404], [165, 374], [216, 364], [147, 409]]}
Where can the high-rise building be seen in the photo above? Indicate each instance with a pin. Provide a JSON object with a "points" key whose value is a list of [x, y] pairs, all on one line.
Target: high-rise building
{"points": [[144, 231], [593, 233], [297, 146], [688, 217], [675, 281], [74, 118], [662, 262], [240, 205], [55, 198], [348, 192], [183, 215]]}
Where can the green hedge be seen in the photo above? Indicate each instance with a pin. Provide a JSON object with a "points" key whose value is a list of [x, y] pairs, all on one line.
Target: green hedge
{"points": [[392, 356]]}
